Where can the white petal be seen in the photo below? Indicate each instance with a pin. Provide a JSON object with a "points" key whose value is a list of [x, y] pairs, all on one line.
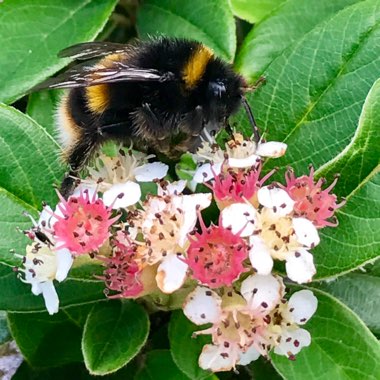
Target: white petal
{"points": [[215, 359], [272, 149], [203, 306], [36, 286], [249, 356], [262, 293], [50, 296], [64, 263], [131, 194], [306, 232], [303, 305], [300, 266], [259, 255], [189, 204], [246, 162], [206, 172], [173, 188], [292, 342], [149, 172], [46, 217], [276, 199], [90, 188], [241, 217], [171, 274]]}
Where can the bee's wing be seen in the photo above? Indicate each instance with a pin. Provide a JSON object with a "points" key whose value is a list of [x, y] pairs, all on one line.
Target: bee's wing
{"points": [[89, 50], [85, 75]]}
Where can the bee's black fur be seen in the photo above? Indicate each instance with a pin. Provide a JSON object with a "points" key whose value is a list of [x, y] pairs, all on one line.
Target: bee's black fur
{"points": [[165, 114]]}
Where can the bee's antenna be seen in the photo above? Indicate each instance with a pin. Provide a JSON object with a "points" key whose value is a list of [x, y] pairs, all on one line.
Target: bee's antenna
{"points": [[251, 119]]}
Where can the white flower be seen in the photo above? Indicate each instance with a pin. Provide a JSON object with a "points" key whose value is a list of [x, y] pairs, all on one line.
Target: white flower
{"points": [[238, 153], [117, 177], [238, 322], [287, 337], [42, 265], [164, 224]]}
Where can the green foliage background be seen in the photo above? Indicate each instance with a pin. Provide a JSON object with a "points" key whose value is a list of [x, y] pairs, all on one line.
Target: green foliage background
{"points": [[321, 60]]}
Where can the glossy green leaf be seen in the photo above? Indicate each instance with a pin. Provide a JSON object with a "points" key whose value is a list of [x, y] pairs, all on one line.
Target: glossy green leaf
{"points": [[254, 10], [113, 334], [32, 33], [13, 289], [362, 156], [30, 159], [356, 240], [45, 340], [42, 107], [342, 347], [283, 27], [186, 349], [315, 91], [361, 292], [159, 365], [210, 22]]}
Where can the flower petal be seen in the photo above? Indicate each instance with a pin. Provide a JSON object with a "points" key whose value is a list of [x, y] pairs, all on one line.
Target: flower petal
{"points": [[303, 305], [130, 191], [64, 263], [151, 171], [171, 274], [89, 187], [259, 255], [249, 356], [276, 199], [50, 296], [292, 342], [206, 172], [245, 162], [262, 293], [300, 266], [241, 217], [203, 306], [272, 149], [173, 188], [216, 358], [306, 232], [189, 204]]}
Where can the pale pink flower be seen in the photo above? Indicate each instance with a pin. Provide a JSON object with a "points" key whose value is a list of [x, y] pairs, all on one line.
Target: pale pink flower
{"points": [[310, 200]]}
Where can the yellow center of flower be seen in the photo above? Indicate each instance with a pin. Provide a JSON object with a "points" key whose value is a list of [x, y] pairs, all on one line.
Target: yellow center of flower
{"points": [[41, 261]]}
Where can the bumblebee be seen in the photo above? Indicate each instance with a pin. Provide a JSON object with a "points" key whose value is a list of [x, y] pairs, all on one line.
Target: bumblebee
{"points": [[161, 95]]}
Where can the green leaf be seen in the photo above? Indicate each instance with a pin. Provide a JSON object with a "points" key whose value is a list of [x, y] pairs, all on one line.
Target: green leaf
{"points": [[342, 347], [113, 334], [315, 91], [254, 10], [186, 349], [4, 330], [33, 33], [362, 156], [210, 22], [45, 340], [29, 157], [356, 240], [185, 168], [159, 365], [361, 292], [284, 26], [42, 107], [13, 288]]}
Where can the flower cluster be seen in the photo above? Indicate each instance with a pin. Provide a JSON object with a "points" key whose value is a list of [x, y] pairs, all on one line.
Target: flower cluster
{"points": [[159, 243]]}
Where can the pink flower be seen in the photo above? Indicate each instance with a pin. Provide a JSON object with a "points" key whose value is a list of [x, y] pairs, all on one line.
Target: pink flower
{"points": [[237, 185], [216, 255], [123, 273], [82, 224], [311, 201]]}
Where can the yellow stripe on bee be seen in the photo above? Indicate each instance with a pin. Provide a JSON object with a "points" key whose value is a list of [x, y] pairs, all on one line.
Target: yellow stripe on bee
{"points": [[196, 66], [98, 98]]}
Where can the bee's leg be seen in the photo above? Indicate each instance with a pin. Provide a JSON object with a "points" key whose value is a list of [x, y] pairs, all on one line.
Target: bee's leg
{"points": [[77, 156], [251, 119]]}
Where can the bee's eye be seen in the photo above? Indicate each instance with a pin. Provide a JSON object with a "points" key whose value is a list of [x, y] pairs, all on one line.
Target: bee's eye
{"points": [[217, 88]]}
